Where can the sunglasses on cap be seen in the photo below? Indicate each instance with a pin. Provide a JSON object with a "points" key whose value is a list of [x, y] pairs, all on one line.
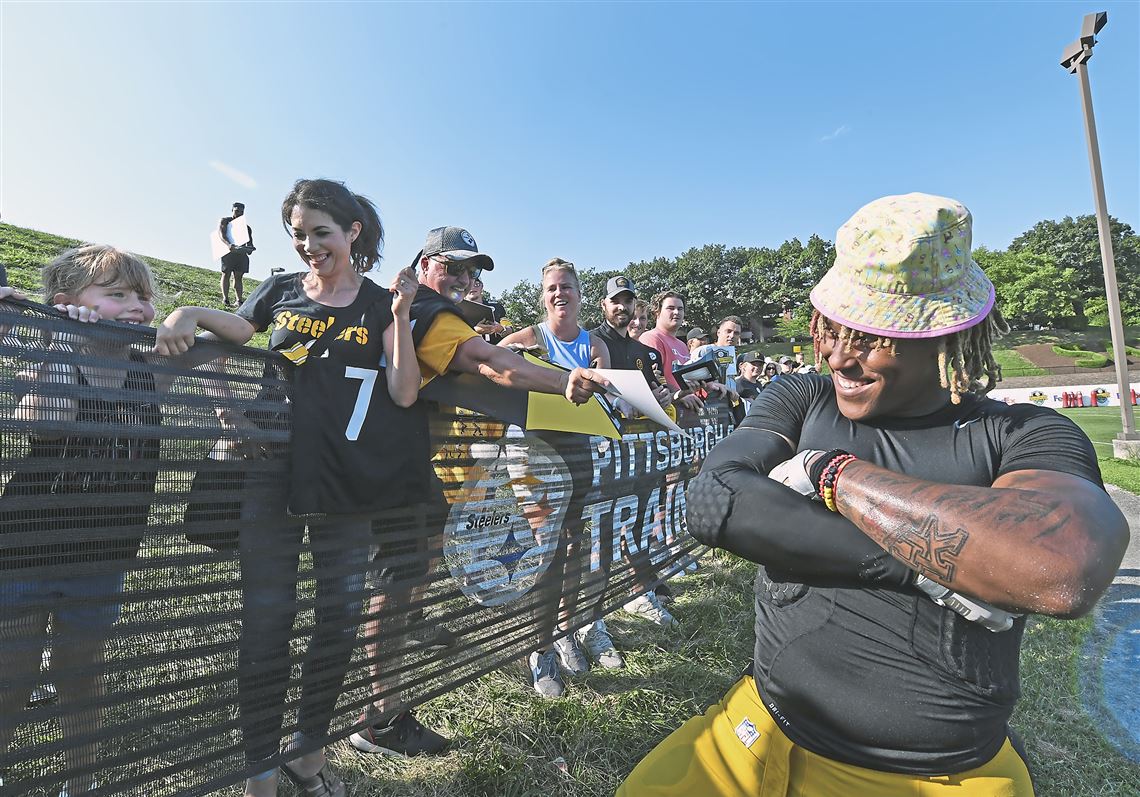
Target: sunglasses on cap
{"points": [[458, 268]]}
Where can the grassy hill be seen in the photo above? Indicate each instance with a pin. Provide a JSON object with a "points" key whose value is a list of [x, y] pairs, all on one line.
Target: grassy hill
{"points": [[24, 251]]}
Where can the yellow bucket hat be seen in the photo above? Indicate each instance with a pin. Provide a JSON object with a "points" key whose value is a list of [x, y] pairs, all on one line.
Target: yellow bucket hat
{"points": [[903, 270]]}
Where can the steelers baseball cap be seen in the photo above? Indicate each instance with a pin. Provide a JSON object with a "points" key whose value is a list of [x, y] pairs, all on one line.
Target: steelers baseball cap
{"points": [[454, 244], [620, 284]]}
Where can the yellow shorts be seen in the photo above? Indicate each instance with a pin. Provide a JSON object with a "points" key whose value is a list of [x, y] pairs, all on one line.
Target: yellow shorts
{"points": [[708, 757]]}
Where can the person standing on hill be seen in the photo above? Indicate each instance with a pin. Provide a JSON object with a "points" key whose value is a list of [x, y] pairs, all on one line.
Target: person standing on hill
{"points": [[236, 261]]}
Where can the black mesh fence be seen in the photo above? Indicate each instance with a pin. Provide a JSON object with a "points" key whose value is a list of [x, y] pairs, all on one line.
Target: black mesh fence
{"points": [[164, 621]]}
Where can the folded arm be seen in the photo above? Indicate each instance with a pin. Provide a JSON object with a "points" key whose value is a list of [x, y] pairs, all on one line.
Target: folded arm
{"points": [[1037, 540], [732, 504]]}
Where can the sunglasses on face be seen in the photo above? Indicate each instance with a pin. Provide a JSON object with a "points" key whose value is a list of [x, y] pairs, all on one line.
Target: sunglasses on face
{"points": [[457, 269]]}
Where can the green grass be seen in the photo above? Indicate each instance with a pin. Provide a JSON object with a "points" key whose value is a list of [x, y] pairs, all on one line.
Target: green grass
{"points": [[1013, 364], [1091, 339], [1068, 756]]}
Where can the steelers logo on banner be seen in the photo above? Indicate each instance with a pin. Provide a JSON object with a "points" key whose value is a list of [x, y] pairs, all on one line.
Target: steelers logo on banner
{"points": [[503, 537]]}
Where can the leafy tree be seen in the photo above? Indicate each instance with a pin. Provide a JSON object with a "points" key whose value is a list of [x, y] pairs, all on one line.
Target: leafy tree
{"points": [[711, 278], [1073, 244], [1030, 288], [523, 303]]}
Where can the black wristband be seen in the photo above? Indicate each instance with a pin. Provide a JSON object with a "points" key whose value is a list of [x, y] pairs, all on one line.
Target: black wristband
{"points": [[815, 472]]}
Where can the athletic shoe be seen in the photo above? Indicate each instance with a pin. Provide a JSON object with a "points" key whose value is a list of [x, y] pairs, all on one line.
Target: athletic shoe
{"points": [[64, 792], [570, 653], [403, 735], [597, 642], [436, 635], [648, 607], [44, 693], [544, 674]]}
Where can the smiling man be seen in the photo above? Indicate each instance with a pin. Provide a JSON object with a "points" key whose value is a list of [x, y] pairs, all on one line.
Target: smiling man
{"points": [[447, 265], [904, 525]]}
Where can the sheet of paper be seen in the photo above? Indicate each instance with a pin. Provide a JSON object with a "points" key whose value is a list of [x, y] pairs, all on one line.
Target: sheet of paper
{"points": [[218, 247], [239, 231], [634, 389]]}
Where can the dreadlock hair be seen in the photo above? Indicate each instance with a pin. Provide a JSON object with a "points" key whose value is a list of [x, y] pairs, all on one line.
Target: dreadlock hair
{"points": [[964, 357]]}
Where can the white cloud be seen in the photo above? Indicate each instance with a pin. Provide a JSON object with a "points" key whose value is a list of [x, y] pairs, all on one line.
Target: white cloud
{"points": [[839, 131], [238, 176]]}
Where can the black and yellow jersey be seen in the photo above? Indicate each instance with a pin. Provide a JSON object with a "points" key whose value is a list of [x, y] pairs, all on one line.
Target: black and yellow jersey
{"points": [[353, 449]]}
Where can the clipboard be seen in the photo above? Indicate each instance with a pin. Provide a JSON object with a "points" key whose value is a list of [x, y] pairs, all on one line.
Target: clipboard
{"points": [[475, 312]]}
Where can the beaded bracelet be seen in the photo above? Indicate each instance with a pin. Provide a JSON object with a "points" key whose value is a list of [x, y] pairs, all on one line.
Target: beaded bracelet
{"points": [[829, 479]]}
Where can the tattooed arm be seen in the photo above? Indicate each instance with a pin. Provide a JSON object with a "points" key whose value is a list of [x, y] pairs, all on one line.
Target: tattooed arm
{"points": [[1036, 541]]}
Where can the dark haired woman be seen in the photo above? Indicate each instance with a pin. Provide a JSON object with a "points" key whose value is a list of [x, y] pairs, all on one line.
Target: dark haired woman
{"points": [[358, 445]]}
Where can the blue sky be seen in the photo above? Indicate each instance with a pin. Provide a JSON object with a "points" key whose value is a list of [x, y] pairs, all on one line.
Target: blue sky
{"points": [[601, 133]]}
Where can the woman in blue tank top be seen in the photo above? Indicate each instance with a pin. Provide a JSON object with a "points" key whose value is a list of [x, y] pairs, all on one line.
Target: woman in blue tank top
{"points": [[562, 341]]}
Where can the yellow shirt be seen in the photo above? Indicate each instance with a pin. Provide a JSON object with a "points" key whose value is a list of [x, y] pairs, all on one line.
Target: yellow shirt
{"points": [[437, 348]]}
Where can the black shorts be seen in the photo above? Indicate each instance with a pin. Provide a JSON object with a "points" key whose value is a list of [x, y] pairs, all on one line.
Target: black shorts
{"points": [[406, 539], [235, 263]]}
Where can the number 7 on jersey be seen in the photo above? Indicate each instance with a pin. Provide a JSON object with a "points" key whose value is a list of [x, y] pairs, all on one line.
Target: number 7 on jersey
{"points": [[367, 378]]}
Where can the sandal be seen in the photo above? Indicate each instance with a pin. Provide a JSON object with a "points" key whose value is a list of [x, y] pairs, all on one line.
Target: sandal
{"points": [[324, 784]]}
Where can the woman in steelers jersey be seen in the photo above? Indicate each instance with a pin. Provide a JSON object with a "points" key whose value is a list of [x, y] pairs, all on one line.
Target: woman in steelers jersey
{"points": [[359, 445]]}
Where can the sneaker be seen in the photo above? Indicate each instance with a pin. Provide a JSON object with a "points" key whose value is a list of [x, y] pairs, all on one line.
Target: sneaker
{"points": [[544, 674], [45, 693], [437, 637], [570, 653], [597, 642], [65, 793], [650, 608], [432, 635], [403, 735]]}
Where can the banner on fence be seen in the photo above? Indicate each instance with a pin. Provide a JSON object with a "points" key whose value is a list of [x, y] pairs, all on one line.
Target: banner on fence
{"points": [[150, 576], [1104, 394]]}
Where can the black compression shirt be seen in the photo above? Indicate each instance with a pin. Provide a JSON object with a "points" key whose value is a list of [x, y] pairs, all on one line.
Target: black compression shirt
{"points": [[884, 678]]}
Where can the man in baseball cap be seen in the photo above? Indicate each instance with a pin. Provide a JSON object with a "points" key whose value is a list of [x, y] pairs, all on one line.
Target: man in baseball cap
{"points": [[456, 245], [445, 342], [696, 338], [893, 509], [750, 366]]}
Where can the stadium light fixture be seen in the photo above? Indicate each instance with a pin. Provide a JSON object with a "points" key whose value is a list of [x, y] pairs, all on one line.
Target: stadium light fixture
{"points": [[1075, 59]]}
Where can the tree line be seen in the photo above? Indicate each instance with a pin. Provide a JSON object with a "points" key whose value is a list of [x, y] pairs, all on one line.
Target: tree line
{"points": [[1049, 275]]}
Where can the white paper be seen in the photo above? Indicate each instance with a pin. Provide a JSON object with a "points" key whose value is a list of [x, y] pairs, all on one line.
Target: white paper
{"points": [[239, 231], [634, 389], [218, 247]]}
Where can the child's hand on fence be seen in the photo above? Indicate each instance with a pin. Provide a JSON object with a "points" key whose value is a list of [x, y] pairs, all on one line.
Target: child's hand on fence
{"points": [[79, 312]]}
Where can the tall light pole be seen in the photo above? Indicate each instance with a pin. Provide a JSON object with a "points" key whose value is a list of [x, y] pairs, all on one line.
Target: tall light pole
{"points": [[1075, 59]]}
